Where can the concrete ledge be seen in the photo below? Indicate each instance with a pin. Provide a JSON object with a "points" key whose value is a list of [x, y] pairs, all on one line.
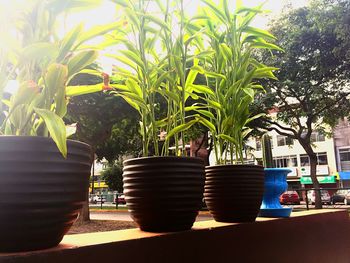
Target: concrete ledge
{"points": [[312, 236]]}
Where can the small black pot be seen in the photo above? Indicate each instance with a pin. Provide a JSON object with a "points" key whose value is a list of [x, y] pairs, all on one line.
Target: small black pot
{"points": [[41, 193], [164, 194], [233, 193]]}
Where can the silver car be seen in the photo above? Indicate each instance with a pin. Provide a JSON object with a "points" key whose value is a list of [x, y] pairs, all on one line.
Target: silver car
{"points": [[325, 197]]}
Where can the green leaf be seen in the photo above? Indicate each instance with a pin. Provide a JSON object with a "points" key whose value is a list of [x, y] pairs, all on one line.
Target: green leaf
{"points": [[228, 138], [191, 77], [214, 104], [70, 130], [157, 21], [202, 89], [80, 60], [258, 32], [98, 31], [38, 51], [220, 15], [246, 132], [254, 117], [72, 91], [124, 60], [226, 9], [249, 10], [206, 113], [55, 79], [68, 42], [56, 128], [250, 92], [133, 57], [226, 51], [134, 88], [265, 72], [206, 123], [180, 128], [267, 46], [210, 74]]}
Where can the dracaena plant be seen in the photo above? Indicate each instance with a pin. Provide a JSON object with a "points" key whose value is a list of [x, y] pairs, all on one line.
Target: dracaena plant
{"points": [[161, 46], [233, 73], [44, 65]]}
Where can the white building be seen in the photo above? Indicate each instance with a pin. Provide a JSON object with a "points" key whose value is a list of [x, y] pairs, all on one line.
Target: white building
{"points": [[289, 153]]}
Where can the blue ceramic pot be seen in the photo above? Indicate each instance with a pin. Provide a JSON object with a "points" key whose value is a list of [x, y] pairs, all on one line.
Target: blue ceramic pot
{"points": [[275, 185]]}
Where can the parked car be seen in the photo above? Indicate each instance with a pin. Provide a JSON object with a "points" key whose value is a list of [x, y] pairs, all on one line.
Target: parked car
{"points": [[97, 199], [339, 197], [347, 198], [120, 199], [325, 197], [290, 197]]}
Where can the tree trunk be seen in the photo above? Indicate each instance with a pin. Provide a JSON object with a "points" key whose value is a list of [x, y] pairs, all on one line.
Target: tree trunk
{"points": [[84, 215], [316, 185], [305, 143]]}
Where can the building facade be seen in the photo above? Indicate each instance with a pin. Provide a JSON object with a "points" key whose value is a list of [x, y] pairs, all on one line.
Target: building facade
{"points": [[290, 154]]}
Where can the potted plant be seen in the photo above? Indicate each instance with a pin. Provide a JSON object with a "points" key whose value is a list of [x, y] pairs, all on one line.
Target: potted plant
{"points": [[44, 176], [233, 190], [163, 189], [275, 184]]}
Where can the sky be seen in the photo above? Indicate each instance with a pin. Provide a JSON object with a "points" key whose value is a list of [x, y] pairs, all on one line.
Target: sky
{"points": [[106, 13]]}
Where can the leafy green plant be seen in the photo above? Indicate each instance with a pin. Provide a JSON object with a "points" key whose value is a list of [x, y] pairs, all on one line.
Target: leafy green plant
{"points": [[159, 53], [45, 63], [232, 72]]}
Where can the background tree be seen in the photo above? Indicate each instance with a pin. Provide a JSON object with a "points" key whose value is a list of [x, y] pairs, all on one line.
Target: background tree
{"points": [[113, 176], [95, 116], [312, 90]]}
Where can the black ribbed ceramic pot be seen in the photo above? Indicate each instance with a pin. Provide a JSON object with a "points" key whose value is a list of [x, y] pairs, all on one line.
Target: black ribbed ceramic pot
{"points": [[233, 193], [41, 193], [164, 193]]}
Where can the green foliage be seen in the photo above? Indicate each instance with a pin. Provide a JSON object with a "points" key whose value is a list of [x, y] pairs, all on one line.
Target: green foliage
{"points": [[113, 176], [152, 72], [234, 74], [45, 65], [313, 87]]}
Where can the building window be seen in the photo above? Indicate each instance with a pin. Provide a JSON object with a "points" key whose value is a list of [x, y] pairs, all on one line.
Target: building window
{"points": [[317, 137], [258, 145], [284, 140], [285, 161], [344, 154], [321, 159]]}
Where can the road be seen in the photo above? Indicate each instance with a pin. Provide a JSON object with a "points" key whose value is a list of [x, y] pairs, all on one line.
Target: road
{"points": [[125, 216]]}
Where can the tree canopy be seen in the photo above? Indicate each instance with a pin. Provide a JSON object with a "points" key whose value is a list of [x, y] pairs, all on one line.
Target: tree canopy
{"points": [[313, 81]]}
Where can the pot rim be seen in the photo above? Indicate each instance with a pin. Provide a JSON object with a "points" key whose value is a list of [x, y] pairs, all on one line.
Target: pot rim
{"points": [[277, 169], [169, 157], [234, 165], [40, 138]]}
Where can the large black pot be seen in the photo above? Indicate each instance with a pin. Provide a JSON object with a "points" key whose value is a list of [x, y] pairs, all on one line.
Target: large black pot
{"points": [[233, 193], [41, 193], [164, 193]]}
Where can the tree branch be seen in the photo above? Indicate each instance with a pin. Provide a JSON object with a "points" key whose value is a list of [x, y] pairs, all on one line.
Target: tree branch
{"points": [[281, 133], [294, 135]]}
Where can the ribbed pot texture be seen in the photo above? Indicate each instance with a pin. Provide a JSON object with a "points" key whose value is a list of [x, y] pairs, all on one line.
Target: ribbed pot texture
{"points": [[233, 193], [164, 193], [41, 193]]}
